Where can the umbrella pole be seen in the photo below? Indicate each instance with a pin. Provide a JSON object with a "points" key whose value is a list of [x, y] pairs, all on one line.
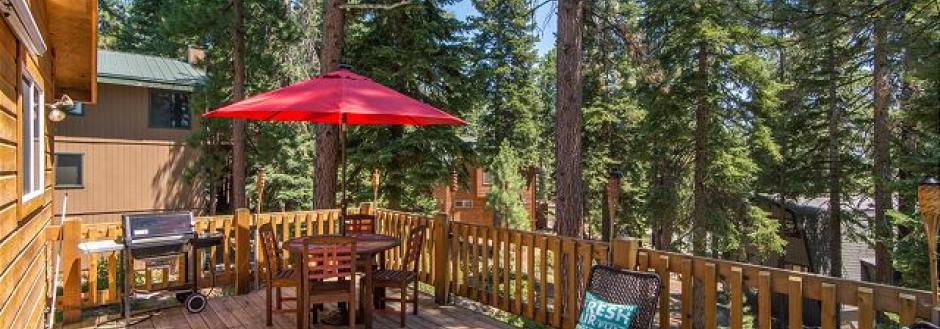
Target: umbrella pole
{"points": [[342, 146]]}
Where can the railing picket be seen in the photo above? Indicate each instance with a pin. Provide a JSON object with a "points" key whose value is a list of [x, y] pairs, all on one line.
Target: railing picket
{"points": [[557, 294], [475, 263], [662, 268], [517, 273], [735, 280], [507, 267], [465, 253], [485, 273], [866, 308], [494, 290], [795, 303], [687, 294], [93, 234], [711, 296], [764, 294], [908, 313], [643, 261], [542, 315], [572, 309], [530, 276], [828, 308]]}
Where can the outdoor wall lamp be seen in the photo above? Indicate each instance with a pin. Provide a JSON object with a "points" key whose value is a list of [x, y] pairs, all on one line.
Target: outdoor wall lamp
{"points": [[928, 197], [56, 112]]}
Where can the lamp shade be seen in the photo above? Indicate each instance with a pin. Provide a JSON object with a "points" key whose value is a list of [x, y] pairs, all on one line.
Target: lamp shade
{"points": [[928, 196]]}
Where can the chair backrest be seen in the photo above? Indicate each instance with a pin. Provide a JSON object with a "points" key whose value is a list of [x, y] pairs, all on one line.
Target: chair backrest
{"points": [[360, 224], [413, 248], [329, 257], [626, 287], [272, 253]]}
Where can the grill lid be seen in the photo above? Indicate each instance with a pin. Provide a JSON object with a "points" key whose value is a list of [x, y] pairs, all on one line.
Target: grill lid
{"points": [[139, 227]]}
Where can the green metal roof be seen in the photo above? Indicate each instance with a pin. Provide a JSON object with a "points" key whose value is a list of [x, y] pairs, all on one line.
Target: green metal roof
{"points": [[121, 68]]}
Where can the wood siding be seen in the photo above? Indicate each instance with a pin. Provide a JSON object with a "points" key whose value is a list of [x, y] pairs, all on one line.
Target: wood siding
{"points": [[127, 165], [24, 253]]}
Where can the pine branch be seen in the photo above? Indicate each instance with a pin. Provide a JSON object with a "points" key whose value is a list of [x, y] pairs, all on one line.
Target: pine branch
{"points": [[373, 6]]}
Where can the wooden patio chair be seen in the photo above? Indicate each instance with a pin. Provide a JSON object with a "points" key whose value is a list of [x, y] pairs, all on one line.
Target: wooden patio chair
{"points": [[407, 275], [360, 224], [277, 276], [330, 270], [624, 287]]}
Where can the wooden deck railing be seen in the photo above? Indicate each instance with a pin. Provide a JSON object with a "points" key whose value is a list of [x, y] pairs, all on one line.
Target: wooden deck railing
{"points": [[537, 277]]}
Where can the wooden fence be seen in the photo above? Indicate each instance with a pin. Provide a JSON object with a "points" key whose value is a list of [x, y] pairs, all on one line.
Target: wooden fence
{"points": [[538, 277]]}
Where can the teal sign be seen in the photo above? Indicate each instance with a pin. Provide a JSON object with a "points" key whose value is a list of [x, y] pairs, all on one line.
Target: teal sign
{"points": [[598, 314]]}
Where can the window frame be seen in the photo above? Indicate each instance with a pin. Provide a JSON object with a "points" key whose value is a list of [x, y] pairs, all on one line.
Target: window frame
{"points": [[81, 171], [463, 204], [33, 101], [150, 123]]}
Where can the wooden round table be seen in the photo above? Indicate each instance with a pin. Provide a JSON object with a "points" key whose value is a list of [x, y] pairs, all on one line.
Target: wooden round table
{"points": [[367, 247]]}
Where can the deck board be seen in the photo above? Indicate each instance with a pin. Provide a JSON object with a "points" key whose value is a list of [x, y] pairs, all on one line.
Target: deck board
{"points": [[247, 312]]}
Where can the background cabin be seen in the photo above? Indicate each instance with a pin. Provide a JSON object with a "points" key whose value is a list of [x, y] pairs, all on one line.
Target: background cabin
{"points": [[128, 152], [469, 204]]}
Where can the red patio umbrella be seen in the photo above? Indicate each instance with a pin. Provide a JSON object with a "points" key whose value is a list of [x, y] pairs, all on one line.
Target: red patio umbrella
{"points": [[339, 97]]}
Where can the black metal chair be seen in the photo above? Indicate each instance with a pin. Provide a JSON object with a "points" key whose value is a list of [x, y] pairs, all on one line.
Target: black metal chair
{"points": [[625, 287]]}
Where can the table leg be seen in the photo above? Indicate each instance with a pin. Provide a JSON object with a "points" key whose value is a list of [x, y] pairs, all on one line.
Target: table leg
{"points": [[367, 299], [380, 292], [301, 293]]}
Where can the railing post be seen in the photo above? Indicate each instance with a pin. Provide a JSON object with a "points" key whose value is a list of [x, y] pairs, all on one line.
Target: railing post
{"points": [[72, 270], [442, 259], [242, 249], [624, 252]]}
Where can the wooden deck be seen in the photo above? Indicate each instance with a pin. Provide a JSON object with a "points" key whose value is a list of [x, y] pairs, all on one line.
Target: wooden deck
{"points": [[247, 311]]}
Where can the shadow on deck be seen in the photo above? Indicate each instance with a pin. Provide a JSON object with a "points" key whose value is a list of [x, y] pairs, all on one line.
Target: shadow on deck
{"points": [[247, 311]]}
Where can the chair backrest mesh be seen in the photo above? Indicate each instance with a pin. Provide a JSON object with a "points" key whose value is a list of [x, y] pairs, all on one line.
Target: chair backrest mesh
{"points": [[625, 287]]}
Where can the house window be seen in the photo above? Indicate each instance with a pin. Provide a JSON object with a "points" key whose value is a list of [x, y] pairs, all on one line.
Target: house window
{"points": [[69, 170], [487, 179], [33, 139], [169, 110], [463, 204]]}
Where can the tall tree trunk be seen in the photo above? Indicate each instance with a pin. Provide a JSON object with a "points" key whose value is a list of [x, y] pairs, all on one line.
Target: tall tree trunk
{"points": [[238, 125], [611, 201], [569, 183], [907, 198], [882, 154], [327, 146], [835, 170], [699, 227]]}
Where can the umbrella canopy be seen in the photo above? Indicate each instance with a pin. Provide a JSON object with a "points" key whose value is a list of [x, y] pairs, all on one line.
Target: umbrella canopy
{"points": [[330, 97]]}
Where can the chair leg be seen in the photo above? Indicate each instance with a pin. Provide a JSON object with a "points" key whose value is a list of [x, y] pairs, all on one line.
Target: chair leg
{"points": [[352, 310], [415, 291], [404, 304], [277, 300], [267, 304]]}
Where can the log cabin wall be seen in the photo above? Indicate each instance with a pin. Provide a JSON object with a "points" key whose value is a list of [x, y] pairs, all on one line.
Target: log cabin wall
{"points": [[23, 258], [26, 201]]}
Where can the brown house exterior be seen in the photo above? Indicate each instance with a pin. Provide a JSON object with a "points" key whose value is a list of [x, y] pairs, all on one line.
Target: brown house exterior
{"points": [[469, 205], [47, 50], [128, 152]]}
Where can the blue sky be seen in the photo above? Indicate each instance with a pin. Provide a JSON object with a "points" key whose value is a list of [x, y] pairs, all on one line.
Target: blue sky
{"points": [[544, 20]]}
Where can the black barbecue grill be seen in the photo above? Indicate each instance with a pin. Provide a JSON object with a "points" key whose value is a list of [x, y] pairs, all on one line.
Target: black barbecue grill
{"points": [[163, 236]]}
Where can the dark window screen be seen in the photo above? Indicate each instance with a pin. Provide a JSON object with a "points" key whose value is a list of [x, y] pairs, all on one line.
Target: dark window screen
{"points": [[169, 110], [68, 170]]}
